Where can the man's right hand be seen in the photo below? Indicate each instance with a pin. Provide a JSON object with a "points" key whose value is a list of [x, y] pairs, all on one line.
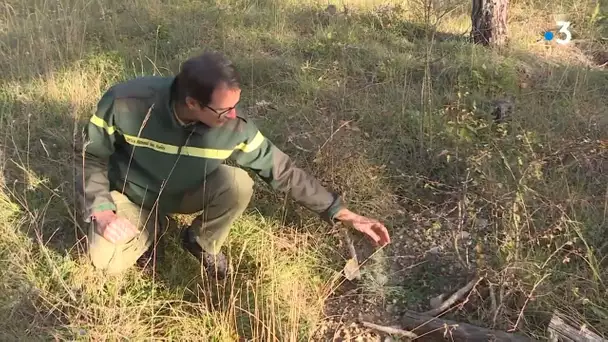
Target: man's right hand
{"points": [[114, 228]]}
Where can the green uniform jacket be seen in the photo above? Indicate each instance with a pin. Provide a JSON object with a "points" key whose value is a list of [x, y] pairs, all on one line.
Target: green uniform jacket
{"points": [[134, 144]]}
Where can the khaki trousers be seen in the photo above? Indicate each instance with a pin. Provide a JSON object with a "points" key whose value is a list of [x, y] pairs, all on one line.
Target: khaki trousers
{"points": [[223, 198]]}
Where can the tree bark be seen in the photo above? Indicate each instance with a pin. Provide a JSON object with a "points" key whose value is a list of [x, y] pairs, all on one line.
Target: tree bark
{"points": [[489, 18]]}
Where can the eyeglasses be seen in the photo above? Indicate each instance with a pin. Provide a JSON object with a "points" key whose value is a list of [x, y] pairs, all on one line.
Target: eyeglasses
{"points": [[223, 113]]}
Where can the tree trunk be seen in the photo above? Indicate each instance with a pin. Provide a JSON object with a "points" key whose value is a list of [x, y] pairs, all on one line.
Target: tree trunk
{"points": [[489, 19]]}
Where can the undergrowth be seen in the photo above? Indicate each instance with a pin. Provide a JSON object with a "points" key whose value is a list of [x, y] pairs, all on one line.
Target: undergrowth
{"points": [[387, 103]]}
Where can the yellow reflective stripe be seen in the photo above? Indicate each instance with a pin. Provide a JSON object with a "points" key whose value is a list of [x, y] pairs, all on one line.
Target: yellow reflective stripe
{"points": [[97, 121], [255, 143], [208, 153], [156, 146], [191, 151]]}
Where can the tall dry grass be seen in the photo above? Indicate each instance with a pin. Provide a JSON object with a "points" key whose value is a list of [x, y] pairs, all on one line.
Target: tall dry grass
{"points": [[371, 102]]}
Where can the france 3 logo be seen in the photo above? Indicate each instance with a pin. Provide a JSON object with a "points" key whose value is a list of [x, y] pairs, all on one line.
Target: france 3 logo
{"points": [[564, 31]]}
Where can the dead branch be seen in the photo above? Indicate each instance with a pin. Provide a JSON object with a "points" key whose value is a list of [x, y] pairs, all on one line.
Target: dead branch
{"points": [[453, 298], [349, 242], [560, 330], [435, 327], [494, 304], [501, 296], [351, 270], [390, 330]]}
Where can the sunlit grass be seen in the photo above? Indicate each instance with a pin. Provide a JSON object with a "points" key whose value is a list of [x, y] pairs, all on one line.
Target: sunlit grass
{"points": [[399, 125]]}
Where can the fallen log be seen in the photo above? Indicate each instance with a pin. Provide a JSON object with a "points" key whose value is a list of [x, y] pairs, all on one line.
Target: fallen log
{"points": [[560, 331], [456, 331]]}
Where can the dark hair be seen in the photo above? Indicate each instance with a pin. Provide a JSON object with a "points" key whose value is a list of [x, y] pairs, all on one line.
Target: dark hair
{"points": [[200, 75]]}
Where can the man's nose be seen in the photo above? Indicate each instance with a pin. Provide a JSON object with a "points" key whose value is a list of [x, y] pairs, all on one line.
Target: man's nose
{"points": [[231, 114]]}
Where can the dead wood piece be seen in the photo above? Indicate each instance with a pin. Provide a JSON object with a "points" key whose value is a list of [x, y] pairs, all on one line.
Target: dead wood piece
{"points": [[453, 298], [560, 330], [390, 330], [432, 327], [351, 269]]}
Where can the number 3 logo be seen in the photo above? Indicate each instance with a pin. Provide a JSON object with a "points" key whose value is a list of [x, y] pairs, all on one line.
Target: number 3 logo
{"points": [[564, 29]]}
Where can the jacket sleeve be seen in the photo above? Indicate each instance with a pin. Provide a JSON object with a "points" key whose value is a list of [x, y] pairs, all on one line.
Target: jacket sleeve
{"points": [[93, 186], [278, 170]]}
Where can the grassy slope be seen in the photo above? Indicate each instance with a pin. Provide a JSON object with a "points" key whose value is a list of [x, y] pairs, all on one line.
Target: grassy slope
{"points": [[397, 123]]}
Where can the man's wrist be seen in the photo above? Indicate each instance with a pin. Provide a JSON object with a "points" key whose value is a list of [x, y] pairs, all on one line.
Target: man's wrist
{"points": [[342, 214], [107, 206], [97, 214]]}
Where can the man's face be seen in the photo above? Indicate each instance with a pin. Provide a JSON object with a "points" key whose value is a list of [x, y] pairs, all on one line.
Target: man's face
{"points": [[220, 110]]}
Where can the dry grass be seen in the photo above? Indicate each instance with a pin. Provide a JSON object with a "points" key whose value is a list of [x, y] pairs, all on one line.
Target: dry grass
{"points": [[397, 122]]}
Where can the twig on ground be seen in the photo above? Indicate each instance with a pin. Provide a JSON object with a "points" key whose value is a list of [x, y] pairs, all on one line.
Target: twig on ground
{"points": [[290, 139], [493, 301], [345, 123], [461, 221], [466, 300], [501, 300], [298, 147], [390, 330], [453, 298], [521, 313]]}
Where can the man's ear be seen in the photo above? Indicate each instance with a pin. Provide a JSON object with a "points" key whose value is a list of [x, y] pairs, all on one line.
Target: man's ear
{"points": [[191, 103]]}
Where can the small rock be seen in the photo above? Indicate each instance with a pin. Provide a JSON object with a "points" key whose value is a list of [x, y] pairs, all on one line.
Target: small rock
{"points": [[435, 250], [388, 339], [503, 109], [465, 235]]}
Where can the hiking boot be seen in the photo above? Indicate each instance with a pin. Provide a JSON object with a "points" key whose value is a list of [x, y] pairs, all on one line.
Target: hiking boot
{"points": [[145, 259], [216, 266]]}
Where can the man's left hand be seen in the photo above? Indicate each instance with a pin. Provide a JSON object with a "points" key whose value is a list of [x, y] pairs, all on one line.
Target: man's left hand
{"points": [[372, 228]]}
